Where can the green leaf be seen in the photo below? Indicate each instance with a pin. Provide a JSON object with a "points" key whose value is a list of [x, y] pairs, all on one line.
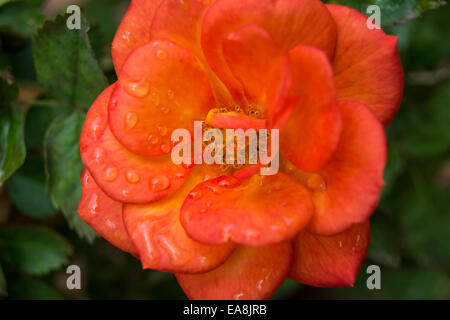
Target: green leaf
{"points": [[420, 140], [21, 17], [414, 283], [394, 12], [384, 246], [26, 288], [3, 291], [33, 250], [63, 166], [3, 2], [27, 191], [36, 124], [12, 146], [66, 65]]}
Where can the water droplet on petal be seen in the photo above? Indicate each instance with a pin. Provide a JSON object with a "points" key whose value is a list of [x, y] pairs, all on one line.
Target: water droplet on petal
{"points": [[138, 89], [96, 123], [161, 54], [227, 181], [340, 244], [99, 155], [110, 224], [170, 94], [111, 173], [113, 103], [132, 176], [155, 98], [125, 193], [152, 139], [160, 183], [131, 119], [93, 204], [203, 210], [195, 195], [316, 182], [162, 130], [165, 109], [165, 148]]}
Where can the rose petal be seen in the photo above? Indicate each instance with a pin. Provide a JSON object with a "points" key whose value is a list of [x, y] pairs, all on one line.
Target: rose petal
{"points": [[250, 273], [134, 30], [103, 214], [353, 179], [288, 22], [257, 62], [121, 174], [161, 88], [259, 211], [311, 133], [330, 261], [366, 65], [157, 233]]}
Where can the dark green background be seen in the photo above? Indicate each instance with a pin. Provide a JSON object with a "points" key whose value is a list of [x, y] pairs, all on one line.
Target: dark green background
{"points": [[410, 237]]}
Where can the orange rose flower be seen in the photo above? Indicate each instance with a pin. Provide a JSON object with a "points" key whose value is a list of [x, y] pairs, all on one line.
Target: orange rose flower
{"points": [[314, 71]]}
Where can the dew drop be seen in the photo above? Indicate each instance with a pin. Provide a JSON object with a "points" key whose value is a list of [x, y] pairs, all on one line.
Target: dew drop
{"points": [[152, 139], [131, 119], [316, 182], [110, 224], [138, 89], [227, 181], [203, 210], [161, 54], [340, 244], [99, 155], [125, 193], [170, 94], [93, 204], [165, 148], [113, 103], [132, 176], [155, 98], [195, 195], [111, 173], [96, 124], [165, 109], [162, 131], [160, 183]]}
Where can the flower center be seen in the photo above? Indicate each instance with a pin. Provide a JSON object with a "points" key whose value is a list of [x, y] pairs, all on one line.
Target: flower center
{"points": [[243, 140]]}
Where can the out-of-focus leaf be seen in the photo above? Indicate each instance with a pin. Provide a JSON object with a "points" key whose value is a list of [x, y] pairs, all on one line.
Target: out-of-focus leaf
{"points": [[287, 289], [424, 218], [21, 17], [394, 167], [27, 191], [3, 291], [429, 128], [26, 288], [63, 165], [12, 146], [66, 65], [37, 121], [8, 91], [384, 246], [394, 12], [414, 283], [3, 2], [33, 250]]}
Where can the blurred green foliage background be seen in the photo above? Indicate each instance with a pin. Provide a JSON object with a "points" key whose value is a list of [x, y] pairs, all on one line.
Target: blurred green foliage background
{"points": [[40, 233]]}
